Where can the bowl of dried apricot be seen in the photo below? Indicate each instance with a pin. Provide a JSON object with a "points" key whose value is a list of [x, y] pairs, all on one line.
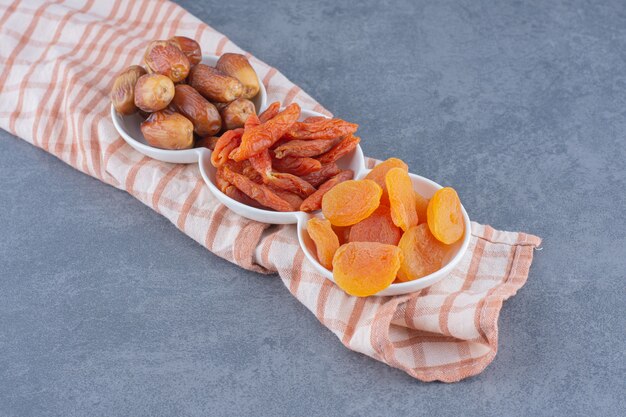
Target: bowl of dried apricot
{"points": [[390, 232]]}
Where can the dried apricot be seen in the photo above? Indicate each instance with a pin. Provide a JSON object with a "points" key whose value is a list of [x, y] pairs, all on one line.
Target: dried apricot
{"points": [[401, 198], [376, 228], [343, 233], [423, 254], [445, 217], [421, 206], [314, 201], [379, 172], [326, 241], [349, 202], [365, 268]]}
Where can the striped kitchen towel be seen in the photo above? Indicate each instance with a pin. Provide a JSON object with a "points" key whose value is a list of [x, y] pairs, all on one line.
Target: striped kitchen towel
{"points": [[57, 62]]}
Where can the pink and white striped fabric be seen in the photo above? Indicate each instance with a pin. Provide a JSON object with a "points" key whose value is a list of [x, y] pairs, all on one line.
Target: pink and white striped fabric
{"points": [[57, 62]]}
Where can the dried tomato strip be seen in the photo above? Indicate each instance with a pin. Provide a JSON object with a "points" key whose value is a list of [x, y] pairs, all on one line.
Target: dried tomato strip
{"points": [[258, 138], [234, 192], [296, 166], [257, 192], [344, 147], [225, 145], [319, 177], [304, 148], [321, 129], [270, 112], [290, 183]]}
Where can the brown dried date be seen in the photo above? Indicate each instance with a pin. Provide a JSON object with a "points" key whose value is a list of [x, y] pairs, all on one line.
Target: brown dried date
{"points": [[235, 113], [163, 57], [204, 116], [168, 130], [214, 85], [123, 91], [207, 142], [190, 48], [153, 92], [238, 66]]}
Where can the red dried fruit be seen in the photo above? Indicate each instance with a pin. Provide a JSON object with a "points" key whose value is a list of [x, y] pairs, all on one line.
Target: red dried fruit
{"points": [[228, 142], [304, 148], [261, 137], [312, 119], [296, 166], [234, 192], [314, 201], [317, 178], [347, 145], [321, 129], [270, 112], [258, 192]]}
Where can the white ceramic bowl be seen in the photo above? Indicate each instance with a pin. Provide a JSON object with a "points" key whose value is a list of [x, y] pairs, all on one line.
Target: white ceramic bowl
{"points": [[129, 128], [354, 161], [426, 188]]}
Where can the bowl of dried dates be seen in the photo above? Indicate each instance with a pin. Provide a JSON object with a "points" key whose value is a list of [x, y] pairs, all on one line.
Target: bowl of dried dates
{"points": [[165, 107]]}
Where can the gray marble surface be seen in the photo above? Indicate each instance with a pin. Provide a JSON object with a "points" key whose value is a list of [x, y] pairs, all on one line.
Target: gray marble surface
{"points": [[106, 309]]}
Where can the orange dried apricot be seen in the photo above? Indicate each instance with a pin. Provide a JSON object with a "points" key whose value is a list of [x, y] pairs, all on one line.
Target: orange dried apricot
{"points": [[314, 201], [326, 241], [401, 198], [365, 268], [343, 233], [421, 205], [351, 201], [376, 228], [423, 254], [379, 172], [445, 217]]}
